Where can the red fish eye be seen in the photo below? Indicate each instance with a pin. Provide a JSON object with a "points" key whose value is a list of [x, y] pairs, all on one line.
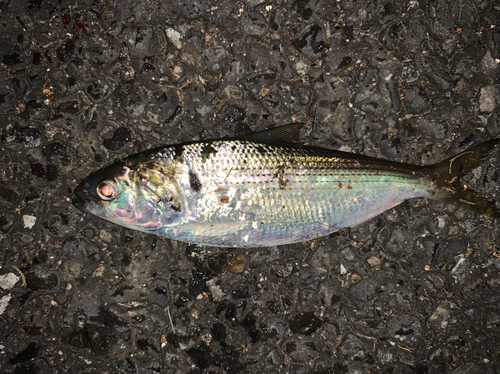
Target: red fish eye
{"points": [[106, 190]]}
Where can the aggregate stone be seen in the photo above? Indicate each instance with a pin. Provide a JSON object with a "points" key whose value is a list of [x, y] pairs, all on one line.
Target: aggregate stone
{"points": [[305, 323], [6, 222], [236, 264], [241, 291], [311, 42], [41, 280], [353, 348], [489, 99], [234, 113], [83, 83], [98, 91], [253, 23], [121, 136], [415, 100]]}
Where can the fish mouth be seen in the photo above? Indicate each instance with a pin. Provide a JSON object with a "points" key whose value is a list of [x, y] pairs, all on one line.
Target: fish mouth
{"points": [[79, 204], [79, 200]]}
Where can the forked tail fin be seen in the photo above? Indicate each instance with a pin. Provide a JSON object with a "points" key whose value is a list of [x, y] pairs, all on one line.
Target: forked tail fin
{"points": [[451, 189]]}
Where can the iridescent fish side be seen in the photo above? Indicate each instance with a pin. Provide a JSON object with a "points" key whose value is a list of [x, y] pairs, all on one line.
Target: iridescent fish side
{"points": [[254, 192]]}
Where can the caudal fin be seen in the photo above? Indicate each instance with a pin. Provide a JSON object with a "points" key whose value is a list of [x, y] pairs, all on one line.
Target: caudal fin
{"points": [[451, 189]]}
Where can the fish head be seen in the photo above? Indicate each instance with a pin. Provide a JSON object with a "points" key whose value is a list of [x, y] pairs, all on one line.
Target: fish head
{"points": [[134, 194]]}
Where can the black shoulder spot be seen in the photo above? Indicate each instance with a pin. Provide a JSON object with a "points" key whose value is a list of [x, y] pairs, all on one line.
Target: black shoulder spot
{"points": [[177, 151], [194, 181]]}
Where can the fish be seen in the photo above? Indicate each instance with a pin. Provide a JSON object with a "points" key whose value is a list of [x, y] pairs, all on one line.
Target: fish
{"points": [[264, 189]]}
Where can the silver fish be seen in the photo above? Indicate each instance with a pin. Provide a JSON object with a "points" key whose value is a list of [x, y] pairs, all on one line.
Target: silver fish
{"points": [[260, 191]]}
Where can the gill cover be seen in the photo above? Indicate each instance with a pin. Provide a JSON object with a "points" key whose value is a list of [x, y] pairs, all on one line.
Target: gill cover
{"points": [[132, 195]]}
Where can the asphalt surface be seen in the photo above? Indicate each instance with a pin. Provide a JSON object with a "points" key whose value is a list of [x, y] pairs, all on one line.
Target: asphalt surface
{"points": [[82, 83]]}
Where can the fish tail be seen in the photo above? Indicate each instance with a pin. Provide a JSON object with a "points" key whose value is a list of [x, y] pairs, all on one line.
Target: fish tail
{"points": [[450, 188]]}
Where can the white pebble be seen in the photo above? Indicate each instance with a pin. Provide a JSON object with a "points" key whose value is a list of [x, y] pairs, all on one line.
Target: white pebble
{"points": [[343, 270], [29, 221], [7, 281], [4, 301], [175, 37]]}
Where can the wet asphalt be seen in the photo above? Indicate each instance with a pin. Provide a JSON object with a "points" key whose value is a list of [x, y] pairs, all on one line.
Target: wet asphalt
{"points": [[82, 83]]}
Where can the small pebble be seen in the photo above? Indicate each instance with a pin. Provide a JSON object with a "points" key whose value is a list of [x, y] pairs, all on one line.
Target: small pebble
{"points": [[120, 138], [305, 323], [215, 290], [489, 99], [4, 301], [29, 221], [174, 37], [343, 269], [105, 236], [233, 93], [348, 254], [236, 264], [461, 266], [354, 349], [7, 281], [374, 261], [254, 24], [234, 114]]}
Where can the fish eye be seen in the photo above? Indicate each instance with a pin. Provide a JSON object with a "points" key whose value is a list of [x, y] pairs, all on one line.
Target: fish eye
{"points": [[107, 189]]}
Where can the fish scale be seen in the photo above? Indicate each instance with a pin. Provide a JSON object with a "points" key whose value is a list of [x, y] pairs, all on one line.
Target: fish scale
{"points": [[317, 194], [256, 192]]}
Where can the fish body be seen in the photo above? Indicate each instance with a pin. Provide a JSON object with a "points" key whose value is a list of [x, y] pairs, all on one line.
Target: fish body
{"points": [[253, 192]]}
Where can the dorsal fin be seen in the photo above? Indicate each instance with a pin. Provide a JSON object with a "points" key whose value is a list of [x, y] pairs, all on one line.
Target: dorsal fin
{"points": [[287, 134]]}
